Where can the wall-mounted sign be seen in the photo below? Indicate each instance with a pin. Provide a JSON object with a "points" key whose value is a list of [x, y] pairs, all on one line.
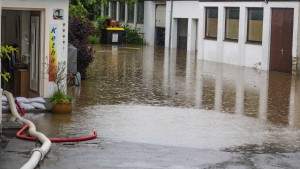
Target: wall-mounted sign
{"points": [[53, 53], [58, 14]]}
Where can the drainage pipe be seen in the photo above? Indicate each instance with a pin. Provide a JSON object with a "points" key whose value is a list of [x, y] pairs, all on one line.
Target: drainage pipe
{"points": [[39, 153]]}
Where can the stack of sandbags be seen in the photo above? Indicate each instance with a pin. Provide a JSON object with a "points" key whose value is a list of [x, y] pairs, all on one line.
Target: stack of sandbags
{"points": [[24, 103], [31, 103], [5, 105], [37, 102]]}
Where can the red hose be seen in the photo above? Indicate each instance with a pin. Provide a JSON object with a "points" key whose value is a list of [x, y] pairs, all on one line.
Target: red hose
{"points": [[20, 108], [53, 140]]}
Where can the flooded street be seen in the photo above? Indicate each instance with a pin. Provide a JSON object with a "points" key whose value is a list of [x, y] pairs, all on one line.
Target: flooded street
{"points": [[209, 114], [145, 94]]}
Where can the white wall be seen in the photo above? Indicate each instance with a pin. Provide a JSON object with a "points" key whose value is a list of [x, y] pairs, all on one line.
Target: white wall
{"points": [[149, 22], [182, 9], [240, 53], [236, 53], [46, 8]]}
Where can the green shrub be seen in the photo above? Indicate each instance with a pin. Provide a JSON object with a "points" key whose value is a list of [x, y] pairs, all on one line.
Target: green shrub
{"points": [[79, 31], [100, 24], [132, 35], [94, 39]]}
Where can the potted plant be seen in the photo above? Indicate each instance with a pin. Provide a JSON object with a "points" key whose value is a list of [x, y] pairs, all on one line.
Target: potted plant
{"points": [[60, 101]]}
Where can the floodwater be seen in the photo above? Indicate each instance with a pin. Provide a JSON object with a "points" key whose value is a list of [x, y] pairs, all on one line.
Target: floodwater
{"points": [[145, 94]]}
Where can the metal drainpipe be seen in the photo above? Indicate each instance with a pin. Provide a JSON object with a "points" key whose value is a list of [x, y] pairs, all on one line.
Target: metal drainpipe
{"points": [[171, 20]]}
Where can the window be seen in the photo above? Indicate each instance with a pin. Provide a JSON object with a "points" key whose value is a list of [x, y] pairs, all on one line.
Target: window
{"points": [[211, 25], [255, 24], [140, 12], [122, 11], [105, 10], [113, 10], [232, 23], [130, 15]]}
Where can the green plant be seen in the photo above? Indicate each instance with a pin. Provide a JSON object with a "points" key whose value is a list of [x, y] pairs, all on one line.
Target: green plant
{"points": [[4, 54], [101, 21], [60, 97], [60, 94], [132, 35], [94, 39], [77, 9], [100, 24]]}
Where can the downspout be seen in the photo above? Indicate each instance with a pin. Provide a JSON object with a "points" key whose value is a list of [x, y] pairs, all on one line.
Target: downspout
{"points": [[171, 22], [37, 154]]}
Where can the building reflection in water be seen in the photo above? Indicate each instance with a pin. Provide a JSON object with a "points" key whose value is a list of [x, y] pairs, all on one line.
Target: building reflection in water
{"points": [[226, 88], [175, 78]]}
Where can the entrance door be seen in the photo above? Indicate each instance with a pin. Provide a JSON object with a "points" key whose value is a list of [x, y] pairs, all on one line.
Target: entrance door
{"points": [[281, 40], [34, 59]]}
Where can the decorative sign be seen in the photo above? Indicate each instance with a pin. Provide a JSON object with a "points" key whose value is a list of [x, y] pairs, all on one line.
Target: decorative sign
{"points": [[53, 53], [58, 14]]}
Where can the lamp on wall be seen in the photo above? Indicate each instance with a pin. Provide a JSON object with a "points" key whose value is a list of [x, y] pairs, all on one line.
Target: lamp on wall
{"points": [[266, 1]]}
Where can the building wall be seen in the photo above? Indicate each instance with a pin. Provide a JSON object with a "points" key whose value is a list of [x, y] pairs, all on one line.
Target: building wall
{"points": [[47, 9], [236, 53]]}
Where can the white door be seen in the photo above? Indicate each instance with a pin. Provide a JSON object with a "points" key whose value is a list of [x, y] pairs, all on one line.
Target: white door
{"points": [[34, 58]]}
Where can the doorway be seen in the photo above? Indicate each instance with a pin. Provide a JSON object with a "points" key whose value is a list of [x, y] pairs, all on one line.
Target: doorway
{"points": [[182, 30], [281, 40], [21, 29], [160, 22]]}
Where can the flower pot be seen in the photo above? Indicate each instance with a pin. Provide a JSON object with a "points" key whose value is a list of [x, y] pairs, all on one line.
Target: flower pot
{"points": [[62, 108]]}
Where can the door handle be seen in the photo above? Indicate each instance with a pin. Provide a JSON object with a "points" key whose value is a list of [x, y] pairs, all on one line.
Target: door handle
{"points": [[281, 51]]}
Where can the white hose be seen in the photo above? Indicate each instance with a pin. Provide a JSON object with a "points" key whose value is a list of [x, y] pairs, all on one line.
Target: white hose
{"points": [[38, 153]]}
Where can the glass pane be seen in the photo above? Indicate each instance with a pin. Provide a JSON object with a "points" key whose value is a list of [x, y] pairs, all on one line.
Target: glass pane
{"points": [[211, 22], [232, 23], [140, 14], [130, 14], [113, 9], [106, 10], [122, 11], [255, 25]]}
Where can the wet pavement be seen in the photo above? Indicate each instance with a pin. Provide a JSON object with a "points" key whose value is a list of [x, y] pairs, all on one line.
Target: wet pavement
{"points": [[155, 108]]}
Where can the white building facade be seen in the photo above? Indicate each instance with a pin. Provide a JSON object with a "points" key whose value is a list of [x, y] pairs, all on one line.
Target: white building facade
{"points": [[260, 34], [243, 33]]}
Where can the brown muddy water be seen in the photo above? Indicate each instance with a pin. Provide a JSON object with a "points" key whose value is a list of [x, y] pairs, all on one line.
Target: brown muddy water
{"points": [[150, 95]]}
